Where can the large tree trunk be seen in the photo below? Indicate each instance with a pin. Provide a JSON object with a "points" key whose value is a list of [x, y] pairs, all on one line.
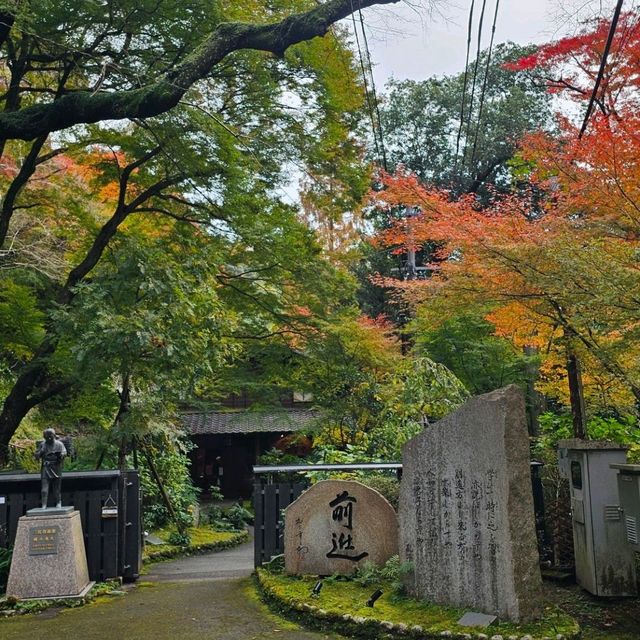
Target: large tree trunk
{"points": [[17, 404], [14, 410], [535, 400]]}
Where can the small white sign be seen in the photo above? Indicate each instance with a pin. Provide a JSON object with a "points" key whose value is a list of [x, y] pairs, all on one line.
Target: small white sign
{"points": [[2, 499]]}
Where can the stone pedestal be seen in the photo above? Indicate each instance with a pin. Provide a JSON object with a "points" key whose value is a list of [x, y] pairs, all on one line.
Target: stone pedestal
{"points": [[49, 559]]}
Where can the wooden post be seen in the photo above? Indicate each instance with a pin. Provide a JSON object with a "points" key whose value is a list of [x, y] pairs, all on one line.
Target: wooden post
{"points": [[576, 394]]}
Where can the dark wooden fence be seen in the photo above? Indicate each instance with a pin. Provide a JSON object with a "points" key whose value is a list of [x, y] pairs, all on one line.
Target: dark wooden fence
{"points": [[112, 537], [268, 502]]}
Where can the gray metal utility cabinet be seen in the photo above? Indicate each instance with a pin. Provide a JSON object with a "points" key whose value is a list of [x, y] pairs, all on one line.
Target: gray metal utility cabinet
{"points": [[629, 492], [605, 564]]}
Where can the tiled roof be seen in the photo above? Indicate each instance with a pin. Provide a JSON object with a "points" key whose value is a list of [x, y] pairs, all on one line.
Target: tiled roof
{"points": [[284, 420]]}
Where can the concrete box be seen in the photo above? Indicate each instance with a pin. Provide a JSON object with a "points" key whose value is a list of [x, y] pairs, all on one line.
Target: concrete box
{"points": [[604, 562], [629, 492]]}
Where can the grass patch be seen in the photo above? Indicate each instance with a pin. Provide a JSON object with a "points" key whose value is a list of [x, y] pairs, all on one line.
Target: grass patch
{"points": [[10, 606], [252, 595], [202, 539], [342, 605]]}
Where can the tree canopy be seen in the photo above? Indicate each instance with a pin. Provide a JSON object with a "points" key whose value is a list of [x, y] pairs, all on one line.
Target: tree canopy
{"points": [[455, 140], [145, 149]]}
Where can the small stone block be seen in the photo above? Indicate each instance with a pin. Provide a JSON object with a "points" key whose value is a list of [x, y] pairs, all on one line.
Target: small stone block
{"points": [[153, 539], [49, 511], [473, 619]]}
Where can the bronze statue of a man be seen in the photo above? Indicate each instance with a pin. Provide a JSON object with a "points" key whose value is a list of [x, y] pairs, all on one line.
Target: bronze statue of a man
{"points": [[52, 453]]}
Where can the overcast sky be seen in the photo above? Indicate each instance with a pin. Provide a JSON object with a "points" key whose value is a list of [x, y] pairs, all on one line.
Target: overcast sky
{"points": [[406, 43]]}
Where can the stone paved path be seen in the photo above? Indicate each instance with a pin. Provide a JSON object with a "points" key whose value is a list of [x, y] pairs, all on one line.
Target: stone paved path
{"points": [[233, 563], [199, 598]]}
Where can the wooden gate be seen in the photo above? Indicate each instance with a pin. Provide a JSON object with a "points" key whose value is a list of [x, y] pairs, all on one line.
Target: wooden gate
{"points": [[269, 500]]}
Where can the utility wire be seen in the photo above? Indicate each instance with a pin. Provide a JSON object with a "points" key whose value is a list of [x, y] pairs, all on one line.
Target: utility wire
{"points": [[464, 87], [475, 79], [485, 82], [373, 88], [603, 64], [366, 84]]}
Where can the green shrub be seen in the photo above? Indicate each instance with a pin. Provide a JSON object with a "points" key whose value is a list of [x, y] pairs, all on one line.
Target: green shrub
{"points": [[393, 571], [5, 564], [238, 516], [234, 518], [215, 493], [179, 539], [386, 485]]}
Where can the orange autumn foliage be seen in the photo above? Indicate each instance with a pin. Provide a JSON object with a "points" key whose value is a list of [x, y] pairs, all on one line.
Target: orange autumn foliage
{"points": [[542, 266], [559, 261]]}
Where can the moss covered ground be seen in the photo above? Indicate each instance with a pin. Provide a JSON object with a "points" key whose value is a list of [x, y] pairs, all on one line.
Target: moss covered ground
{"points": [[9, 606], [203, 538], [343, 602]]}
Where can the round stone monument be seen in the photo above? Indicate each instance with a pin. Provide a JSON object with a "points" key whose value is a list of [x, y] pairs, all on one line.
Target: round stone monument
{"points": [[335, 526]]}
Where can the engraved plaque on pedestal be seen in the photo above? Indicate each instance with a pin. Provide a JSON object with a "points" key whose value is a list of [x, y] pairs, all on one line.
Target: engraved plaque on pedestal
{"points": [[43, 540]]}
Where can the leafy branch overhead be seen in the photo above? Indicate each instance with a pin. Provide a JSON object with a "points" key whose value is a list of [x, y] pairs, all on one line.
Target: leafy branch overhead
{"points": [[162, 245], [85, 106]]}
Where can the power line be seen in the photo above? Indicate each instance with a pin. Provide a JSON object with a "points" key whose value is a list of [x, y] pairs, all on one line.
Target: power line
{"points": [[603, 63], [366, 84], [475, 78], [485, 82], [464, 86], [373, 88]]}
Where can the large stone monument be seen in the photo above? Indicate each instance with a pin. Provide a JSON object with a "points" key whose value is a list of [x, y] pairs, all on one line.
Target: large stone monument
{"points": [[466, 510], [49, 559], [335, 525]]}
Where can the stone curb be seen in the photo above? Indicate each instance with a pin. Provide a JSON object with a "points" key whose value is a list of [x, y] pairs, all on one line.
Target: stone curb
{"points": [[347, 624], [239, 538]]}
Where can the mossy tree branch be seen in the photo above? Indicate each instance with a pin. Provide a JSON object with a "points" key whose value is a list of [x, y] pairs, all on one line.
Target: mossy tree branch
{"points": [[84, 107]]}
